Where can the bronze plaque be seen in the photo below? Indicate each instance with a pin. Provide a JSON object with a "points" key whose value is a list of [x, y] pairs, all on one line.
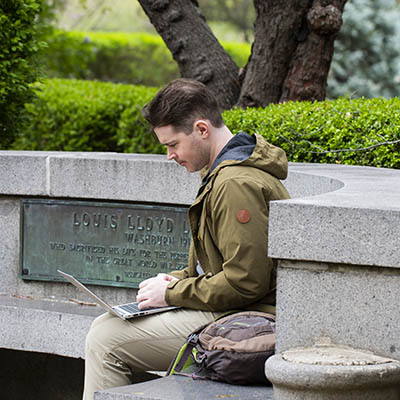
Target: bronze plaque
{"points": [[102, 243]]}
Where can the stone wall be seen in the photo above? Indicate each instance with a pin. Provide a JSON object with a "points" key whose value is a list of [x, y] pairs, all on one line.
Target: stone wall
{"points": [[339, 261], [336, 241]]}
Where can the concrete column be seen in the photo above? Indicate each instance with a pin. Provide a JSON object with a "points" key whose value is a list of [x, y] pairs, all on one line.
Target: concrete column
{"points": [[333, 373]]}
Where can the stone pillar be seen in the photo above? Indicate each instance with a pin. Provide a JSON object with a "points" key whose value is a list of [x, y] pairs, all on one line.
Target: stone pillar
{"points": [[333, 373], [338, 281]]}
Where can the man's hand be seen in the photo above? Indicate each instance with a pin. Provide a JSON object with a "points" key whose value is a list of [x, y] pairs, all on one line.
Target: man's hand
{"points": [[152, 291]]}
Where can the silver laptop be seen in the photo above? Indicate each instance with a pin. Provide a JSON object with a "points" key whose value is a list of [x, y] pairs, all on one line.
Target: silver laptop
{"points": [[123, 311]]}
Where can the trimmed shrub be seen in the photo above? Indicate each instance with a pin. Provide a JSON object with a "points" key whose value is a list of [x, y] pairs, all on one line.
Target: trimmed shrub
{"points": [[135, 58], [68, 55], [343, 131], [71, 115], [74, 115], [19, 45]]}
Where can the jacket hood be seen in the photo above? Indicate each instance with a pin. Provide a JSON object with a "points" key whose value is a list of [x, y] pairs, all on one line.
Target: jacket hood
{"points": [[253, 151]]}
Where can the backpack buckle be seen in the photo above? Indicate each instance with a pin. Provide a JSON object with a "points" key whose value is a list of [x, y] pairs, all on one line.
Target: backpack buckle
{"points": [[193, 339]]}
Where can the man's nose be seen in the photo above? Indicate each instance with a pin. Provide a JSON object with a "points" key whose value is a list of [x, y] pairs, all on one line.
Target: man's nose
{"points": [[171, 155]]}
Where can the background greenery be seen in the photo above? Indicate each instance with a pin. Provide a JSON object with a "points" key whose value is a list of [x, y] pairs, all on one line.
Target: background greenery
{"points": [[136, 58], [366, 62], [19, 48], [75, 115]]}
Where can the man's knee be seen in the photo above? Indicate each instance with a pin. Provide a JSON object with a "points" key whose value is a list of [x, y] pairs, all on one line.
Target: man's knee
{"points": [[103, 333]]}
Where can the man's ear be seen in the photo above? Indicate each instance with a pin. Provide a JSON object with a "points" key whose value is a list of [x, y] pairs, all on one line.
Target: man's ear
{"points": [[202, 127]]}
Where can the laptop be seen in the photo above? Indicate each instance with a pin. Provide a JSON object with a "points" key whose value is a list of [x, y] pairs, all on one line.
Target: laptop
{"points": [[123, 311]]}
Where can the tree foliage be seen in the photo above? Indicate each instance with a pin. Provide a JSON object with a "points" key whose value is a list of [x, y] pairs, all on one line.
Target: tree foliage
{"points": [[367, 54], [19, 47], [239, 14], [135, 58]]}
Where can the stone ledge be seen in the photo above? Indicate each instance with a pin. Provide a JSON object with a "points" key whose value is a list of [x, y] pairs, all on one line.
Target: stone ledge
{"points": [[23, 173], [184, 388], [109, 176], [358, 223], [45, 326], [117, 176]]}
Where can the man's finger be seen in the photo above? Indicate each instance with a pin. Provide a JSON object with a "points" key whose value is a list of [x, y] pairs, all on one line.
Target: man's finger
{"points": [[141, 297], [143, 305]]}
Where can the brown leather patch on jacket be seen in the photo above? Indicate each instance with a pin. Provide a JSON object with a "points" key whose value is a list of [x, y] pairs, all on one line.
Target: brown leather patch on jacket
{"points": [[243, 216]]}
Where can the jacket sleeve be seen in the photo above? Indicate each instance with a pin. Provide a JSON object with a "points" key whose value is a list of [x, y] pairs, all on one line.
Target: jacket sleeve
{"points": [[239, 228], [180, 274]]}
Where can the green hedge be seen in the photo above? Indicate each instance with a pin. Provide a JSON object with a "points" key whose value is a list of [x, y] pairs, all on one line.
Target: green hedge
{"points": [[19, 47], [315, 131], [75, 115], [134, 58], [71, 115]]}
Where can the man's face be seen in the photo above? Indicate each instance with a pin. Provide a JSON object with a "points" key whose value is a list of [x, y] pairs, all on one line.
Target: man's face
{"points": [[190, 151]]}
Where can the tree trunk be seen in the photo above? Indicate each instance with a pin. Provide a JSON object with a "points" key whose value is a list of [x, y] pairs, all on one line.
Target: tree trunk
{"points": [[194, 47], [279, 25], [309, 68], [292, 51], [290, 57]]}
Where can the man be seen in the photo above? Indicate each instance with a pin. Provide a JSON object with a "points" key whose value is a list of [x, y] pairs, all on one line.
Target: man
{"points": [[228, 264]]}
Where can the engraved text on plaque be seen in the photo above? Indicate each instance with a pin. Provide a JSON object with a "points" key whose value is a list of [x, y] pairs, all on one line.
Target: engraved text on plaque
{"points": [[102, 243]]}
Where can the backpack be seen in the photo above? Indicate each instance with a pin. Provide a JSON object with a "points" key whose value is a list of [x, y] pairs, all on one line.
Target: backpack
{"points": [[233, 348]]}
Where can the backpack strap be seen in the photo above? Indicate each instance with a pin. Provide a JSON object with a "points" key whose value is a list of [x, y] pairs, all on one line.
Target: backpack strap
{"points": [[183, 354], [185, 351]]}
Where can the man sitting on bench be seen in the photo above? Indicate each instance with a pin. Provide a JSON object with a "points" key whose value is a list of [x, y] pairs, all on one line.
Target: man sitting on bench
{"points": [[228, 266]]}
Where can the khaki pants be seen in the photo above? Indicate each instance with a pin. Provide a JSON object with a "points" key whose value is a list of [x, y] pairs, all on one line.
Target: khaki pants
{"points": [[115, 348]]}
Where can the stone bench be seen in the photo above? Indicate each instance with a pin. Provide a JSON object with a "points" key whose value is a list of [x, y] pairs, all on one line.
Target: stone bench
{"points": [[45, 326], [336, 242], [84, 176], [184, 388]]}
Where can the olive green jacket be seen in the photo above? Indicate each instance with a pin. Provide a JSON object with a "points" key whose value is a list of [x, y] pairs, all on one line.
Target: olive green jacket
{"points": [[229, 224]]}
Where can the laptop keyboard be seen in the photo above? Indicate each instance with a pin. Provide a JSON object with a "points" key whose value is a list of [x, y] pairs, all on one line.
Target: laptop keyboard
{"points": [[130, 307]]}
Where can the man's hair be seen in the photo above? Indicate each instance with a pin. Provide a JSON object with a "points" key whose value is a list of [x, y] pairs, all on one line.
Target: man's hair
{"points": [[180, 103]]}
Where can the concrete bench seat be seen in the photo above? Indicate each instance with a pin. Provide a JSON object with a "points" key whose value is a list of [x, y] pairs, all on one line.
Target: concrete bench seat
{"points": [[45, 326], [185, 388]]}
